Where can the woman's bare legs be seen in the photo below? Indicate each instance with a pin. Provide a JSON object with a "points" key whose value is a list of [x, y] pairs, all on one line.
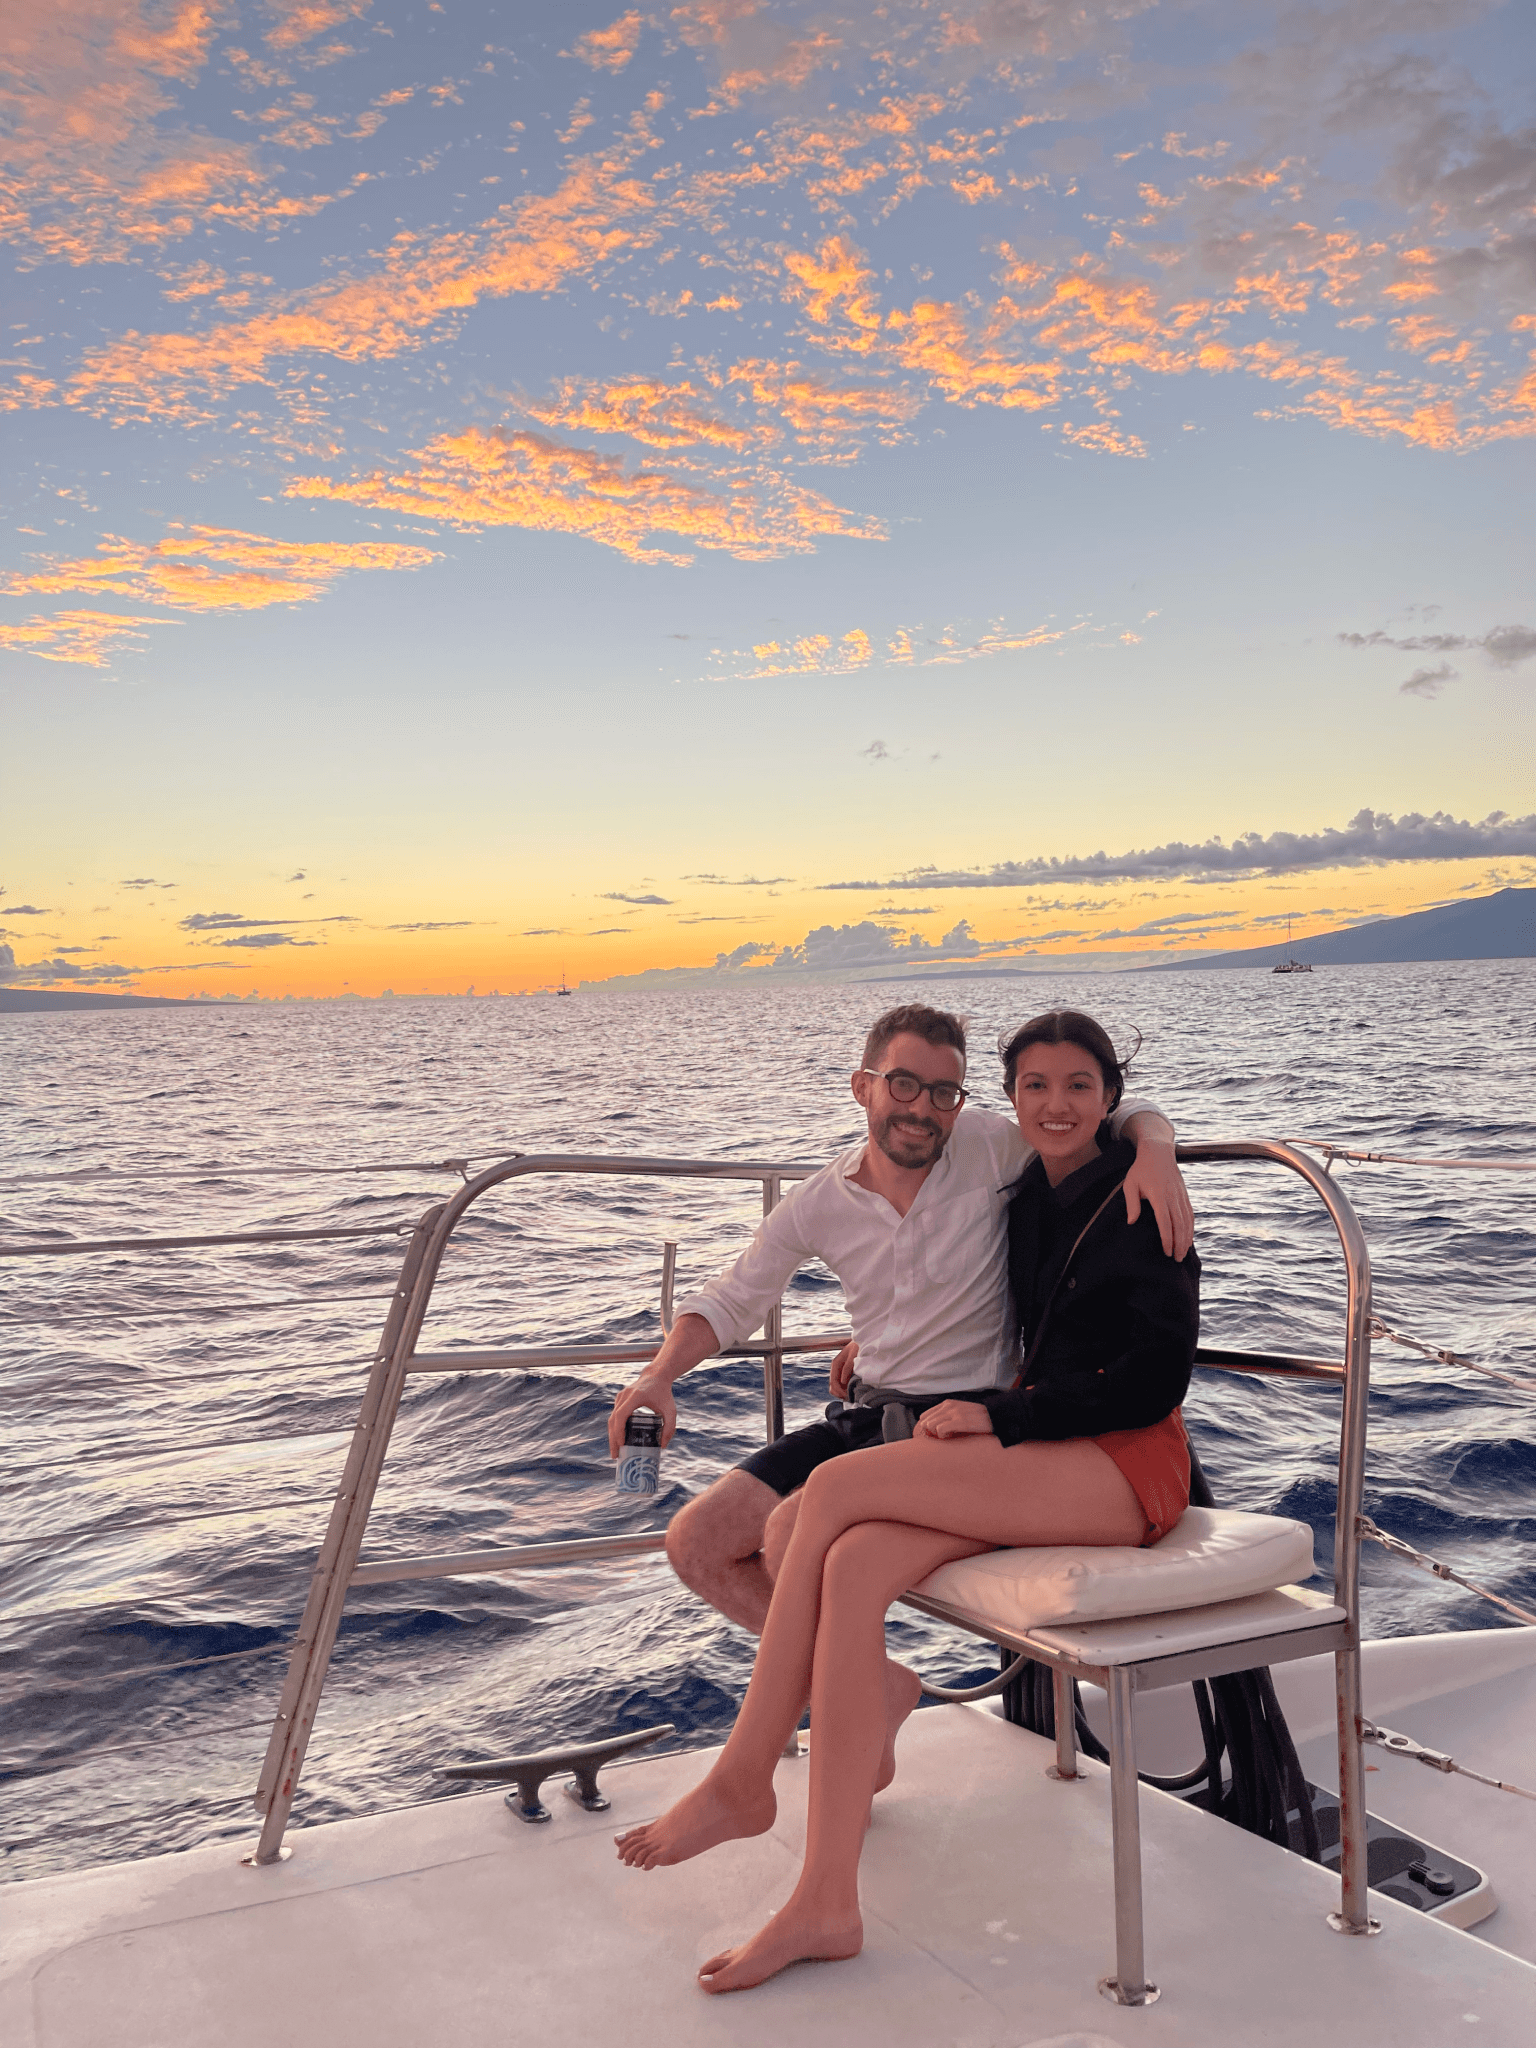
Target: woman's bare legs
{"points": [[866, 1568], [902, 1687], [959, 1490]]}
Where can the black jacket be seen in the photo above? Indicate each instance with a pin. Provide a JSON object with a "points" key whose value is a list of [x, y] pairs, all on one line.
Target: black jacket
{"points": [[1121, 1334]]}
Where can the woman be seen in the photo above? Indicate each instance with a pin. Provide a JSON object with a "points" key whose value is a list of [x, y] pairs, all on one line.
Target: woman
{"points": [[1087, 1448]]}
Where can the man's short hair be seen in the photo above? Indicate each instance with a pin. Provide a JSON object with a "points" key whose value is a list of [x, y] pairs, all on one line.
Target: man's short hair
{"points": [[939, 1027]]}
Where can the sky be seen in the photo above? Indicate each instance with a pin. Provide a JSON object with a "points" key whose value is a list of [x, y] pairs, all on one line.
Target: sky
{"points": [[754, 488]]}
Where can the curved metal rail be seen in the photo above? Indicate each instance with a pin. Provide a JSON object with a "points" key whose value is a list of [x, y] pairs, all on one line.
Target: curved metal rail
{"points": [[337, 1567]]}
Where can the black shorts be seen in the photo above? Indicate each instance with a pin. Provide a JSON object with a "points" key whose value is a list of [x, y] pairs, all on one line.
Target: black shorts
{"points": [[787, 1464]]}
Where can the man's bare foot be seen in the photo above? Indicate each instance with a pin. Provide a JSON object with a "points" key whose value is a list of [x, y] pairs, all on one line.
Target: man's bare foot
{"points": [[797, 1934], [703, 1818], [903, 1690]]}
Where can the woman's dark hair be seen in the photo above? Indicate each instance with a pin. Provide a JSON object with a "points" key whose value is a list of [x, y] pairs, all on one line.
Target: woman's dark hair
{"points": [[1068, 1027]]}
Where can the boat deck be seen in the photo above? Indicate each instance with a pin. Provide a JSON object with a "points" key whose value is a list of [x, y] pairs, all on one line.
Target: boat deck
{"points": [[988, 1916]]}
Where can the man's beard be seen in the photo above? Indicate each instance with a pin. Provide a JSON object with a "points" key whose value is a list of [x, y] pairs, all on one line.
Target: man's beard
{"points": [[910, 1143]]}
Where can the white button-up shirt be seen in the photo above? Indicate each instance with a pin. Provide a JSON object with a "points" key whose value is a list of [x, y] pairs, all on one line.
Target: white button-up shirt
{"points": [[927, 1292]]}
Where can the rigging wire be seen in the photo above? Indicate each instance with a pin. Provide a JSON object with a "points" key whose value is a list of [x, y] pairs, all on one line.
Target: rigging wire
{"points": [[1426, 1563], [1404, 1745], [105, 1679], [1381, 1329], [1363, 1158], [88, 1176], [119, 1451], [70, 1246], [101, 1531], [220, 1308]]}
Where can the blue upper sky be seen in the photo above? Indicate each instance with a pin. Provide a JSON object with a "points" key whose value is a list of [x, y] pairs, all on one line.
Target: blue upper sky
{"points": [[497, 490]]}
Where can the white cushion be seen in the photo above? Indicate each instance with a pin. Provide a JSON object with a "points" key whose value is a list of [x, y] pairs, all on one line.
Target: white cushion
{"points": [[1210, 1554]]}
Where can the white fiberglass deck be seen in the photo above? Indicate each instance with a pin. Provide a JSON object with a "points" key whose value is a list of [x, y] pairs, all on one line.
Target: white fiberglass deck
{"points": [[987, 1907]]}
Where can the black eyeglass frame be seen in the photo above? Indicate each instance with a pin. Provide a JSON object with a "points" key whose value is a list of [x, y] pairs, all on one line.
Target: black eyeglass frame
{"points": [[928, 1088]]}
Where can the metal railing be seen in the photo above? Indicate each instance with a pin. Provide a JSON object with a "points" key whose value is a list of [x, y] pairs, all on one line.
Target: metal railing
{"points": [[337, 1568]]}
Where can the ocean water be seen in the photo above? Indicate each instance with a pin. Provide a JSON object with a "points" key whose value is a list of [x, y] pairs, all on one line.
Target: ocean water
{"points": [[174, 1425]]}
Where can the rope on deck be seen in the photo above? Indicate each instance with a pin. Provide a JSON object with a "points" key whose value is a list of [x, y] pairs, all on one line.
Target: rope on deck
{"points": [[1433, 1565]]}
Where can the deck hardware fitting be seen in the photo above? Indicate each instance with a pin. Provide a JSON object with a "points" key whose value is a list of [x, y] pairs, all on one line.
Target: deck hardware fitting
{"points": [[1109, 1987], [583, 1760]]}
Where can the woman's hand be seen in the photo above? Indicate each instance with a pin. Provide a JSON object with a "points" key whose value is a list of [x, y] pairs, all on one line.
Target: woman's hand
{"points": [[954, 1418]]}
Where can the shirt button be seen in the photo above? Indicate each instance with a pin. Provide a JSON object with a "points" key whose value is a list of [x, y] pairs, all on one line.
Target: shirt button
{"points": [[1071, 1283]]}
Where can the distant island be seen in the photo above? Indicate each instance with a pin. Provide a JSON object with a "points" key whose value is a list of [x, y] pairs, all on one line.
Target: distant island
{"points": [[1497, 927], [12, 999]]}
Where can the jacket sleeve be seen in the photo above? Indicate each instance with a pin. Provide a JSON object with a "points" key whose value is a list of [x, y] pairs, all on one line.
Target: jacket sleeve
{"points": [[1130, 1372]]}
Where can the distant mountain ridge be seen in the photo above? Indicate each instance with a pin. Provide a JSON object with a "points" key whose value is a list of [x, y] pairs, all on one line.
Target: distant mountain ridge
{"points": [[1497, 927], [14, 999]]}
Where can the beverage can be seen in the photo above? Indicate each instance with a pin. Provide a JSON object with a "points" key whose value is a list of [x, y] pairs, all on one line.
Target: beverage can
{"points": [[639, 1465]]}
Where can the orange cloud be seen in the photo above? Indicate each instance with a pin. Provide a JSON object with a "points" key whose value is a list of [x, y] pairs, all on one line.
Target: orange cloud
{"points": [[610, 48], [1103, 439], [1090, 320], [88, 638], [211, 568], [300, 21], [93, 164], [822, 415], [648, 409], [537, 245], [504, 477], [931, 337], [818, 654], [754, 50]]}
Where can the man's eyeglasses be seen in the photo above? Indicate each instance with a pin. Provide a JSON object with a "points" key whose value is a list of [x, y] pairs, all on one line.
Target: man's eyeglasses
{"points": [[944, 1095]]}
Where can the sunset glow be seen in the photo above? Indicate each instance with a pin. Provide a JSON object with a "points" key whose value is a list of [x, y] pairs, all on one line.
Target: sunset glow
{"points": [[755, 488]]}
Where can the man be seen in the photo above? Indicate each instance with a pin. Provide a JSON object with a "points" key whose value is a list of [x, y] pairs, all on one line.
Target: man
{"points": [[912, 1222]]}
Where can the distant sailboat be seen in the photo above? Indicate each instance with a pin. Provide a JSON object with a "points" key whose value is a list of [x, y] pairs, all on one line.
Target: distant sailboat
{"points": [[562, 990], [1290, 964]]}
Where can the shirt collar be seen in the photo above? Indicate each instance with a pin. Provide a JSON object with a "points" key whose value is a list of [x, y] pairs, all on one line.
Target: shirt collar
{"points": [[1115, 1156]]}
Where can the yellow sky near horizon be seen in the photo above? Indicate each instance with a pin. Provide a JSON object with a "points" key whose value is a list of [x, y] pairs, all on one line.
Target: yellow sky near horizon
{"points": [[754, 481]]}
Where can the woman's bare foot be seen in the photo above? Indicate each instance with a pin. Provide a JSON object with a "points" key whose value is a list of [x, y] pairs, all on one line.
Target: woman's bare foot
{"points": [[703, 1818], [797, 1934], [903, 1690]]}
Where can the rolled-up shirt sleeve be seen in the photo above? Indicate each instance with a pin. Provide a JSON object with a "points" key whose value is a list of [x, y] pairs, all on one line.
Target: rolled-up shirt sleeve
{"points": [[737, 1301]]}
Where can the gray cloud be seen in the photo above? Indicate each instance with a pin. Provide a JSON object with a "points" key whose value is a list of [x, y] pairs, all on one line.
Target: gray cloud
{"points": [[457, 924], [621, 896], [740, 881], [29, 910], [265, 939], [745, 954], [12, 974], [868, 944], [877, 750], [1505, 646], [231, 920], [1370, 839], [144, 882], [544, 931], [298, 876], [906, 910], [610, 931], [1428, 682], [1179, 923]]}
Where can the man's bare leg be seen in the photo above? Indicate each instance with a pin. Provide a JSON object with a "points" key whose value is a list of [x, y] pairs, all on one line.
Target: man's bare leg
{"points": [[715, 1547], [903, 1688]]}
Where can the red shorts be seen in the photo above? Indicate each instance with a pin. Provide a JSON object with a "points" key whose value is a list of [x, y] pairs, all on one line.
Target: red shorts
{"points": [[1156, 1462]]}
